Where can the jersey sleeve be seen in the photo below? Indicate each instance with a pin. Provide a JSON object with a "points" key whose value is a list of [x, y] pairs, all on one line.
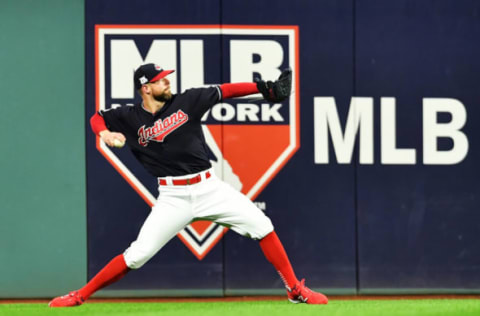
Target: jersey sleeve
{"points": [[97, 123], [202, 99], [233, 90], [115, 119]]}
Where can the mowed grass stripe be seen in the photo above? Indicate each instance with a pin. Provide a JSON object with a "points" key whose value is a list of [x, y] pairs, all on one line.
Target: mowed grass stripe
{"points": [[264, 308]]}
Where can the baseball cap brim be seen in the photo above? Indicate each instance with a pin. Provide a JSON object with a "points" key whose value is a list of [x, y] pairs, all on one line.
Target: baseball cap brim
{"points": [[161, 75]]}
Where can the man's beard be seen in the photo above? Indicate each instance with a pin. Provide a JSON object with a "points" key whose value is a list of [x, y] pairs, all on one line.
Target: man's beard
{"points": [[163, 97]]}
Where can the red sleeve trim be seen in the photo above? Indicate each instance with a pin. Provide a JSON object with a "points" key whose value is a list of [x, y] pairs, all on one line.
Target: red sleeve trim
{"points": [[97, 123], [232, 90]]}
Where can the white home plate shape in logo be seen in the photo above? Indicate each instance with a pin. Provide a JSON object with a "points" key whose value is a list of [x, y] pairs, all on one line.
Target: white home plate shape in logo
{"points": [[249, 141]]}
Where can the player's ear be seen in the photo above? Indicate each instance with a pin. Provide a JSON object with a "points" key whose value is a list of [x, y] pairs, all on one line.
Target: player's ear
{"points": [[145, 89]]}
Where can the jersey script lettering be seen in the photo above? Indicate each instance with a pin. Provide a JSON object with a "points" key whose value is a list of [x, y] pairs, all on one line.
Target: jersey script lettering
{"points": [[161, 128]]}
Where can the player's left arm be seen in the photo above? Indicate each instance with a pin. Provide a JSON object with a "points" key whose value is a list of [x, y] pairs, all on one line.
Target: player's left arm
{"points": [[273, 91], [235, 90]]}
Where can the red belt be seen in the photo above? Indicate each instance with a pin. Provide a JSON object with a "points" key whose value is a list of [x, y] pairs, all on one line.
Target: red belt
{"points": [[189, 181]]}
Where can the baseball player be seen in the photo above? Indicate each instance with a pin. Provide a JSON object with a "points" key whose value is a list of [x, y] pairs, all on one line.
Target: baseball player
{"points": [[164, 133]]}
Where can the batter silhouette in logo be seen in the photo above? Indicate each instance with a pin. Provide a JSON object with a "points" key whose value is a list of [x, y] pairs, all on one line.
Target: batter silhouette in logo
{"points": [[219, 164], [189, 189]]}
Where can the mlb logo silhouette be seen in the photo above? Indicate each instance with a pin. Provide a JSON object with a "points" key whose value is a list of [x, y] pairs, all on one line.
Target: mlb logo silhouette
{"points": [[249, 139]]}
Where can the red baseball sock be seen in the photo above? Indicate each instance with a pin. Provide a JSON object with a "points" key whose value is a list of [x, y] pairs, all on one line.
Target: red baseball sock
{"points": [[275, 253], [112, 272]]}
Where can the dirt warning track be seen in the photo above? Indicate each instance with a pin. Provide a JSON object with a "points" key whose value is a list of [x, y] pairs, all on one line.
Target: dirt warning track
{"points": [[247, 298]]}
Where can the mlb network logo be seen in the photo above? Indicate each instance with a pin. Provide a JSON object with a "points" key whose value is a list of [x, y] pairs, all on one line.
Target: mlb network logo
{"points": [[249, 141]]}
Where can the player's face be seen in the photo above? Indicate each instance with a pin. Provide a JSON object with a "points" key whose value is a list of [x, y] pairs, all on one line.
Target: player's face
{"points": [[161, 90]]}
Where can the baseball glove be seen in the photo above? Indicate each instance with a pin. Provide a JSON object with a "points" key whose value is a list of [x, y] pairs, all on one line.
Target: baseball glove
{"points": [[279, 90]]}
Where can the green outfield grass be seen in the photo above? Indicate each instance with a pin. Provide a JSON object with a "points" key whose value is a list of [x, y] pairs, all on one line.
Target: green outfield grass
{"points": [[263, 308]]}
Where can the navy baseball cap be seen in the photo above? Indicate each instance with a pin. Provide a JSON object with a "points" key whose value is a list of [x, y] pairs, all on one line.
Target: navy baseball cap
{"points": [[149, 73]]}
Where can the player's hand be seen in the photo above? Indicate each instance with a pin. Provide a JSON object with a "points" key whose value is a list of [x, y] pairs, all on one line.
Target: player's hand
{"points": [[113, 139], [279, 90]]}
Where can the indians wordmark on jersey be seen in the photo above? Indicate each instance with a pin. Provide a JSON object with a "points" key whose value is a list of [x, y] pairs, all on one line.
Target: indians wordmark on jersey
{"points": [[161, 128]]}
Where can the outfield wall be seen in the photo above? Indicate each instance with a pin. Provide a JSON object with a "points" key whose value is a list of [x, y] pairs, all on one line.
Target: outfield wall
{"points": [[43, 198], [368, 172]]}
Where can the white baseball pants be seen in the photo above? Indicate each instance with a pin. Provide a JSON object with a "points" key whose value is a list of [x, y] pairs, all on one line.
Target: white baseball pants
{"points": [[179, 205]]}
